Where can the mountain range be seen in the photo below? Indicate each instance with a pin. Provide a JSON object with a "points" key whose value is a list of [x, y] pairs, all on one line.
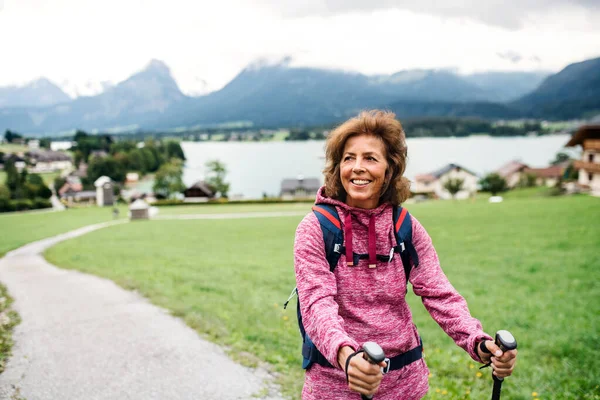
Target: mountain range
{"points": [[275, 95]]}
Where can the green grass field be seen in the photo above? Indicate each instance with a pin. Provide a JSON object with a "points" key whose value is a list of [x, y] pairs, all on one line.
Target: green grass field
{"points": [[19, 229], [8, 148], [529, 265]]}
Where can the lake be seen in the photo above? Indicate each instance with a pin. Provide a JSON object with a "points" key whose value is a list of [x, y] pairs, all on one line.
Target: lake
{"points": [[254, 168]]}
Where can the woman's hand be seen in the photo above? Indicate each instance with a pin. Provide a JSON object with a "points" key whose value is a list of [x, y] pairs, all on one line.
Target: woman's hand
{"points": [[363, 377], [502, 363]]}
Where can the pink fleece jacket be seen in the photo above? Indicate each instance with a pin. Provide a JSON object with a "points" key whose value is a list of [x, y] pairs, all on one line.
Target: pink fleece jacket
{"points": [[356, 304]]}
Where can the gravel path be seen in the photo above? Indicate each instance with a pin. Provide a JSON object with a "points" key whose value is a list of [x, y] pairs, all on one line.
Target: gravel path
{"points": [[83, 337]]}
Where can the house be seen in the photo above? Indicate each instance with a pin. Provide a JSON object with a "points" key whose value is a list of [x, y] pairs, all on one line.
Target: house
{"points": [[18, 161], [70, 188], [433, 182], [49, 160], [33, 144], [299, 188], [132, 177], [512, 172], [72, 191], [546, 176], [98, 153], [588, 137], [104, 191], [199, 192]]}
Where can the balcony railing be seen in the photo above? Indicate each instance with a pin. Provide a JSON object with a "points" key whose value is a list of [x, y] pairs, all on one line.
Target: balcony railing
{"points": [[587, 166]]}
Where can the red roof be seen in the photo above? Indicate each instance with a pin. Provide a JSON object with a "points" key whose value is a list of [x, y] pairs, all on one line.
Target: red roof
{"points": [[510, 168], [425, 178], [584, 132], [74, 187], [555, 171]]}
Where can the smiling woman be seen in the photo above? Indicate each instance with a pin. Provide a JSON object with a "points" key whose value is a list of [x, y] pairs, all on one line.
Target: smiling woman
{"points": [[345, 301]]}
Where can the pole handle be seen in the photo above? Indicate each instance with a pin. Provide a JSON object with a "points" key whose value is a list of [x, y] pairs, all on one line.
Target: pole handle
{"points": [[374, 354], [506, 341]]}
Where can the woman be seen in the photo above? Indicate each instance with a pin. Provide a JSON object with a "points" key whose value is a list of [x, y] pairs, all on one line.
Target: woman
{"points": [[341, 310]]}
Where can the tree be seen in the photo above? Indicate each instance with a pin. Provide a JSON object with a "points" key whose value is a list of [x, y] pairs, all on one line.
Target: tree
{"points": [[493, 183], [4, 198], [59, 182], [105, 167], [13, 180], [35, 187], [167, 180], [453, 185], [10, 136], [216, 177], [174, 150], [45, 143], [560, 158]]}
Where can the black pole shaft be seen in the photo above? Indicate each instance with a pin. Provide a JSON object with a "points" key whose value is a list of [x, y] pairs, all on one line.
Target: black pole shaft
{"points": [[497, 388]]}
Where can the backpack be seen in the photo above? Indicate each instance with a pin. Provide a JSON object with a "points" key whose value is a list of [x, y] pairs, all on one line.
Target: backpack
{"points": [[333, 238]]}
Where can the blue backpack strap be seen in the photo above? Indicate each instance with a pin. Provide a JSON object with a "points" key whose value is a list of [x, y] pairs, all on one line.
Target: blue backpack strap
{"points": [[333, 236], [403, 232]]}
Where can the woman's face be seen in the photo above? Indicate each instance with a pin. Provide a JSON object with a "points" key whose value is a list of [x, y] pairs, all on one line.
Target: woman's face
{"points": [[362, 170]]}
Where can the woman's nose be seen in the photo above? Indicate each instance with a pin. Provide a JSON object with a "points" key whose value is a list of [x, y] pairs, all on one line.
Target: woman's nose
{"points": [[357, 166]]}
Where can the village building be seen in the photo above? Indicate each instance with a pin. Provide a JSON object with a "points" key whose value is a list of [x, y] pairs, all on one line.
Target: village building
{"points": [[549, 176], [199, 192], [104, 191], [588, 137], [33, 144], [513, 172], [432, 184], [49, 161], [132, 177], [19, 162], [72, 192], [299, 188]]}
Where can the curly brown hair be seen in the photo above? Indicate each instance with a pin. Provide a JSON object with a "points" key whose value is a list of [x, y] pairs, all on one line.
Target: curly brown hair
{"points": [[385, 126]]}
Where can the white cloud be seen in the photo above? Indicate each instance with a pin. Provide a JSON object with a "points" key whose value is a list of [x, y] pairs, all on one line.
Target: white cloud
{"points": [[206, 43]]}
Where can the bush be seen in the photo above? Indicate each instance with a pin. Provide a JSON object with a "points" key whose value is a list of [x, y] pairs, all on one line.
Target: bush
{"points": [[41, 203], [6, 205], [23, 204], [493, 183]]}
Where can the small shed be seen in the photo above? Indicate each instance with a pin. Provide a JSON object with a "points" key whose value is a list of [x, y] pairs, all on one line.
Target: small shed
{"points": [[104, 191], [197, 193], [139, 209]]}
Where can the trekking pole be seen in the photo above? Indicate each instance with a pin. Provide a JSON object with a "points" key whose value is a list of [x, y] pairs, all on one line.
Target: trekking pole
{"points": [[373, 353], [506, 341]]}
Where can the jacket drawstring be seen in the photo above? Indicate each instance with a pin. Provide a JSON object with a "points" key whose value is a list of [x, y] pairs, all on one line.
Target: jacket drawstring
{"points": [[372, 241], [348, 237], [372, 244]]}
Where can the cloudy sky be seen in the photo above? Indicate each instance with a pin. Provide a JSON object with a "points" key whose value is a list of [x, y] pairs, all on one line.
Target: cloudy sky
{"points": [[79, 44]]}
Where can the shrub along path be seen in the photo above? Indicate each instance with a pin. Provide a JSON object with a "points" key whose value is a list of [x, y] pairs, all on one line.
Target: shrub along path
{"points": [[84, 337]]}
